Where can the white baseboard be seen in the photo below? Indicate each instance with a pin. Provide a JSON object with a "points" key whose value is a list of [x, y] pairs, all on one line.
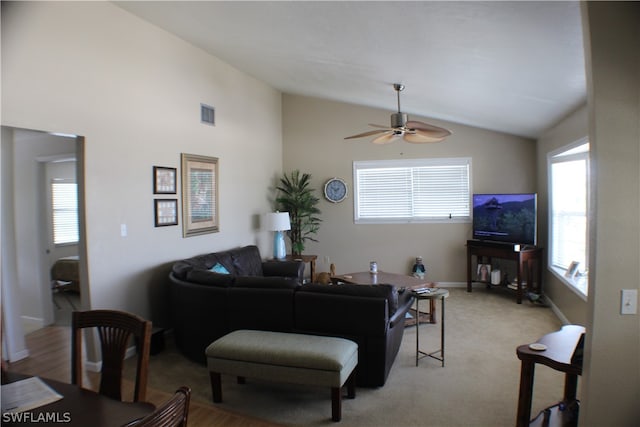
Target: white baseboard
{"points": [[557, 311], [451, 284], [18, 355], [131, 351], [93, 366], [31, 324]]}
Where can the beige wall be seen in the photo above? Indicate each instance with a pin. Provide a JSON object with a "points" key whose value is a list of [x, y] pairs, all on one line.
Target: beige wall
{"points": [[313, 132], [134, 92], [573, 128], [611, 380]]}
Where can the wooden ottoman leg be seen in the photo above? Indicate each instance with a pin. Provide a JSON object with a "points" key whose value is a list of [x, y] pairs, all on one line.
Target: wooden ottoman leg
{"points": [[336, 404], [216, 386], [351, 385]]}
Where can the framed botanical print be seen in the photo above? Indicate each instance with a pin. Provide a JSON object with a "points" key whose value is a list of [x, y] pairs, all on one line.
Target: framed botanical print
{"points": [[199, 194], [166, 212], [164, 180]]}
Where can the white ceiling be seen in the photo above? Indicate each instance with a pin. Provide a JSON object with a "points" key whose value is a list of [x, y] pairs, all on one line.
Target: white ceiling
{"points": [[516, 67]]}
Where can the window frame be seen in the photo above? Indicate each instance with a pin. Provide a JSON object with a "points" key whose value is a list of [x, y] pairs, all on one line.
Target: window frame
{"points": [[578, 283], [412, 164]]}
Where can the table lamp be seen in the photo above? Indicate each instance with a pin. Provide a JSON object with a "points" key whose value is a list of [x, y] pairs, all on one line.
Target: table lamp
{"points": [[278, 222]]}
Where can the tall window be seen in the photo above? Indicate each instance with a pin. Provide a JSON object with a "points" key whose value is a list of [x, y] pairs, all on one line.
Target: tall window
{"points": [[412, 190], [569, 200], [64, 199]]}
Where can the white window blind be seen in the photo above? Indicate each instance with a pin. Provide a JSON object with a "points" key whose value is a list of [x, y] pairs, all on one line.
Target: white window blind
{"points": [[64, 198], [569, 190], [415, 190]]}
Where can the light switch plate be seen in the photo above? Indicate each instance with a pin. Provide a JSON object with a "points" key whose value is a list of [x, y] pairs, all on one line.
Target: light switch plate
{"points": [[629, 301]]}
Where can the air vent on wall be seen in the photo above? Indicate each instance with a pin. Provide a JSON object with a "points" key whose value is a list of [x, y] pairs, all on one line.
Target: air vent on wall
{"points": [[207, 115]]}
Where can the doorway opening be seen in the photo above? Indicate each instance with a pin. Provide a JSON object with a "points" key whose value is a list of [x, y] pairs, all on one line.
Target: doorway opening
{"points": [[32, 161]]}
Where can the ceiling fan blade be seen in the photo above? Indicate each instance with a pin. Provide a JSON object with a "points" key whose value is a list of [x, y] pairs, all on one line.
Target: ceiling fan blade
{"points": [[386, 139], [432, 135], [418, 138], [371, 132], [427, 129], [380, 126]]}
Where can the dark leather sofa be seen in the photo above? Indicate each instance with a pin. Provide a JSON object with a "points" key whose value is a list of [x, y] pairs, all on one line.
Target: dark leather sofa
{"points": [[269, 296]]}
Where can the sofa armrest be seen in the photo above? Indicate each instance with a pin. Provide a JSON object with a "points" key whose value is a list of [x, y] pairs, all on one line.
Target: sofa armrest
{"points": [[405, 301], [284, 269]]}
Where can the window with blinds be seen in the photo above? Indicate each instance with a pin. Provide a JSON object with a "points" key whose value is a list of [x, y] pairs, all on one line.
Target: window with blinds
{"points": [[568, 207], [412, 190], [64, 199]]}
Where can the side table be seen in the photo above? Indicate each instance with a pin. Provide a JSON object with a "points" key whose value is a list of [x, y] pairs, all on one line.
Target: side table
{"points": [[561, 350], [311, 259], [431, 294]]}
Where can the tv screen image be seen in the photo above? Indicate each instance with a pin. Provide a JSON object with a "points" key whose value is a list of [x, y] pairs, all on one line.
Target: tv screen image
{"points": [[508, 218]]}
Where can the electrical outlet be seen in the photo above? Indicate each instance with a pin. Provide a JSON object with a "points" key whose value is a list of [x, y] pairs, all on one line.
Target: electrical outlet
{"points": [[629, 301]]}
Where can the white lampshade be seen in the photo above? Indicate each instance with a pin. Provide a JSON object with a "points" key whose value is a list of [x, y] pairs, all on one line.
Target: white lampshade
{"points": [[277, 221]]}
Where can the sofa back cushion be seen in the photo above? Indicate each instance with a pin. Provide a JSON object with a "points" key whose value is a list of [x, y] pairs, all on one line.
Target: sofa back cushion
{"points": [[203, 262], [246, 261], [388, 292], [270, 282], [209, 278], [243, 261]]}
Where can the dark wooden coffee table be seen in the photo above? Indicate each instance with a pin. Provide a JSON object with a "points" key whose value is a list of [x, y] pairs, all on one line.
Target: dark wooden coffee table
{"points": [[398, 280]]}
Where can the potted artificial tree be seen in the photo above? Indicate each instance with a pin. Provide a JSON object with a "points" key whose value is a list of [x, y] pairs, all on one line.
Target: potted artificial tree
{"points": [[296, 196]]}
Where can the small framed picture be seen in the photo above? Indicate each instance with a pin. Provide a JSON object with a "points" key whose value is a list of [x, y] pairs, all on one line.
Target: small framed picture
{"points": [[572, 270], [166, 212], [164, 180], [484, 272]]}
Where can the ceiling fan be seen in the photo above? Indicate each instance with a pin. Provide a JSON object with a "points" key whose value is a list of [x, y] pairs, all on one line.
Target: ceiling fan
{"points": [[410, 130]]}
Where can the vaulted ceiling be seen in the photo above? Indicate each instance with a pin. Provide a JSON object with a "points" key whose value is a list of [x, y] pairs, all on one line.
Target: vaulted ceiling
{"points": [[515, 67]]}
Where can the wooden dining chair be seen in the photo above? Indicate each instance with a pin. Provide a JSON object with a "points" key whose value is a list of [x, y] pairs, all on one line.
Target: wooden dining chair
{"points": [[172, 413], [115, 329]]}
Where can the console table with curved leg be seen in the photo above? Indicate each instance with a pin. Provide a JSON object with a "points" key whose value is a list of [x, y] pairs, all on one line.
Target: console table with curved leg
{"points": [[562, 351]]}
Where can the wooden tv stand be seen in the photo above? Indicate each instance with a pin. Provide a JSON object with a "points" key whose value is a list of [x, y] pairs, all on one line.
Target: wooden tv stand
{"points": [[524, 258]]}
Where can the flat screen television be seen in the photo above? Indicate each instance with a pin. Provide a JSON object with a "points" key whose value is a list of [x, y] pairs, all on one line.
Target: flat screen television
{"points": [[507, 218]]}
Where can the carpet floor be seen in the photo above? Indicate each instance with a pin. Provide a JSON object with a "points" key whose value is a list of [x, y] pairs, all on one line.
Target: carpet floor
{"points": [[477, 387]]}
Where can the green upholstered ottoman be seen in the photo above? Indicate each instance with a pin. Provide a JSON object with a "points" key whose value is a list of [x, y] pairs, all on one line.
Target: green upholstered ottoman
{"points": [[285, 357]]}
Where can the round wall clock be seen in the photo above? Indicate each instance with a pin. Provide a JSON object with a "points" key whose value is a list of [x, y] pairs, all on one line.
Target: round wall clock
{"points": [[335, 190]]}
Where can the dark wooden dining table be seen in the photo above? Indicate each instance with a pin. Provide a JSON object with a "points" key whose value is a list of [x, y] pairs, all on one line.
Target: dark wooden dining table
{"points": [[78, 407]]}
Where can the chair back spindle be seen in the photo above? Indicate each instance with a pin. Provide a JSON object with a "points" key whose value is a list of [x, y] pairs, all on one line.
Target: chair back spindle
{"points": [[172, 413], [115, 329]]}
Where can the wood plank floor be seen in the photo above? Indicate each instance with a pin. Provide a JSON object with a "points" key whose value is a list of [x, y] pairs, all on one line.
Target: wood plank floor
{"points": [[50, 357]]}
